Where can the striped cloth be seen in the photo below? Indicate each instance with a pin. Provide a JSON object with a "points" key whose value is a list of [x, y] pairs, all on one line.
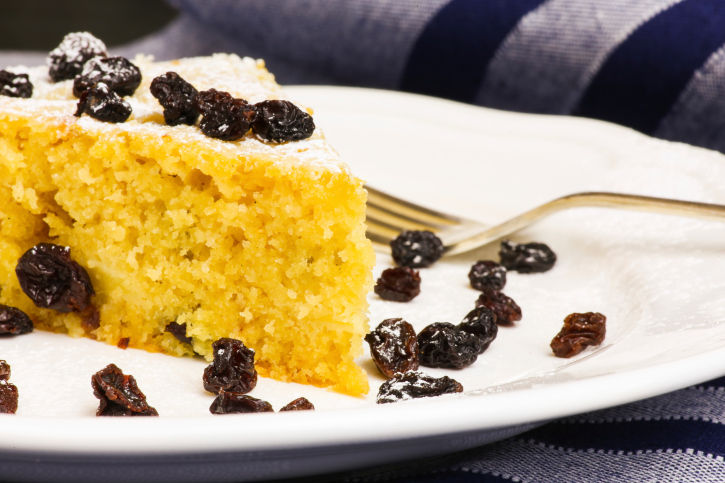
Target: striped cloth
{"points": [[657, 66]]}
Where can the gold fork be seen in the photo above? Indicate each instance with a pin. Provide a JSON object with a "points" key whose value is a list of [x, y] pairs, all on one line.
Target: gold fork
{"points": [[387, 216]]}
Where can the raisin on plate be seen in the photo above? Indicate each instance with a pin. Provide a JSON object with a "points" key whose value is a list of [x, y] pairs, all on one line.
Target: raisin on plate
{"points": [[4, 370], [526, 258], [176, 96], [394, 347], [506, 310], [480, 322], [487, 274], [67, 60], [52, 280], [416, 249], [103, 104], [414, 385], [233, 402], [299, 404], [223, 116], [14, 321], [443, 344], [579, 332], [232, 369], [8, 397], [398, 284], [118, 73], [119, 394], [15, 85], [178, 331], [281, 121]]}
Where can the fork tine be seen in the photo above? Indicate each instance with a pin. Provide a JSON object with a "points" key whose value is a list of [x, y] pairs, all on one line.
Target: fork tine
{"points": [[409, 210]]}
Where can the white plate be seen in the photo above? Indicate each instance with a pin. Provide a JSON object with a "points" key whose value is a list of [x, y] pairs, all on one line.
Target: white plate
{"points": [[658, 280]]}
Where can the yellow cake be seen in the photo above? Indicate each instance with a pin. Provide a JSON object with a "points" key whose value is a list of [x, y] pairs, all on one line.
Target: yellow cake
{"points": [[257, 241]]}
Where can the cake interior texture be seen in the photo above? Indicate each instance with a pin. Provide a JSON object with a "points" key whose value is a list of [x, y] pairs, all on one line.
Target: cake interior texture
{"points": [[251, 240]]}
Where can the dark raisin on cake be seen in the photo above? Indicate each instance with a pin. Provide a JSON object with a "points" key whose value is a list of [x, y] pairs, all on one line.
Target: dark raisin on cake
{"points": [[4, 370], [232, 369], [176, 96], [414, 385], [118, 73], [119, 394], [103, 104], [223, 116], [15, 85], [178, 331], [416, 248], [14, 321], [66, 61], [281, 121], [52, 280], [398, 284]]}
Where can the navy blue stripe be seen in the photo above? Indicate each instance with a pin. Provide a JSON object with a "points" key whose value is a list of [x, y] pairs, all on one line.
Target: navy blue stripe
{"points": [[644, 76], [455, 477], [635, 435], [453, 51], [719, 382]]}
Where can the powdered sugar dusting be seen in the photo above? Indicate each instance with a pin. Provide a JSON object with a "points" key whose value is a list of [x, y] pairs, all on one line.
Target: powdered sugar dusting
{"points": [[244, 78]]}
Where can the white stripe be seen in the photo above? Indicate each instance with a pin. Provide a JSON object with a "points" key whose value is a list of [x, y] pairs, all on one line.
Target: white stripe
{"points": [[694, 403], [535, 462], [546, 63], [698, 116]]}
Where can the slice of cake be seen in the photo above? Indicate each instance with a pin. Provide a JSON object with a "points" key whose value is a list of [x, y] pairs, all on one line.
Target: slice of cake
{"points": [[188, 238]]}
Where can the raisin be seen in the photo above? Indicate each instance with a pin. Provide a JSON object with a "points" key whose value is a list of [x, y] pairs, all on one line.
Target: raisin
{"points": [[91, 319], [413, 385], [444, 345], [4, 370], [104, 105], [579, 331], [224, 117], [176, 96], [282, 121], [119, 394], [233, 368], [52, 280], [235, 402], [526, 258], [118, 73], [178, 331], [394, 347], [8, 397], [15, 85], [416, 249], [486, 274], [299, 404], [398, 284], [14, 321], [66, 61], [480, 322], [123, 343], [506, 310]]}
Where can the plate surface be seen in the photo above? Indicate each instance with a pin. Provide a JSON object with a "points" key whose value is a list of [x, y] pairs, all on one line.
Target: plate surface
{"points": [[658, 280]]}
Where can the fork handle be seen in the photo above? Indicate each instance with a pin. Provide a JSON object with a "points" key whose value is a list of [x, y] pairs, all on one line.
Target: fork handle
{"points": [[593, 199]]}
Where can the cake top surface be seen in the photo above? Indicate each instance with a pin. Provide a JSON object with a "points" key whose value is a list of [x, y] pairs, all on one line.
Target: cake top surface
{"points": [[244, 78]]}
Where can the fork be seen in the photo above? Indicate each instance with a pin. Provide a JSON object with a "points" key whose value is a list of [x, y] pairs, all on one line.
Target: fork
{"points": [[387, 216]]}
